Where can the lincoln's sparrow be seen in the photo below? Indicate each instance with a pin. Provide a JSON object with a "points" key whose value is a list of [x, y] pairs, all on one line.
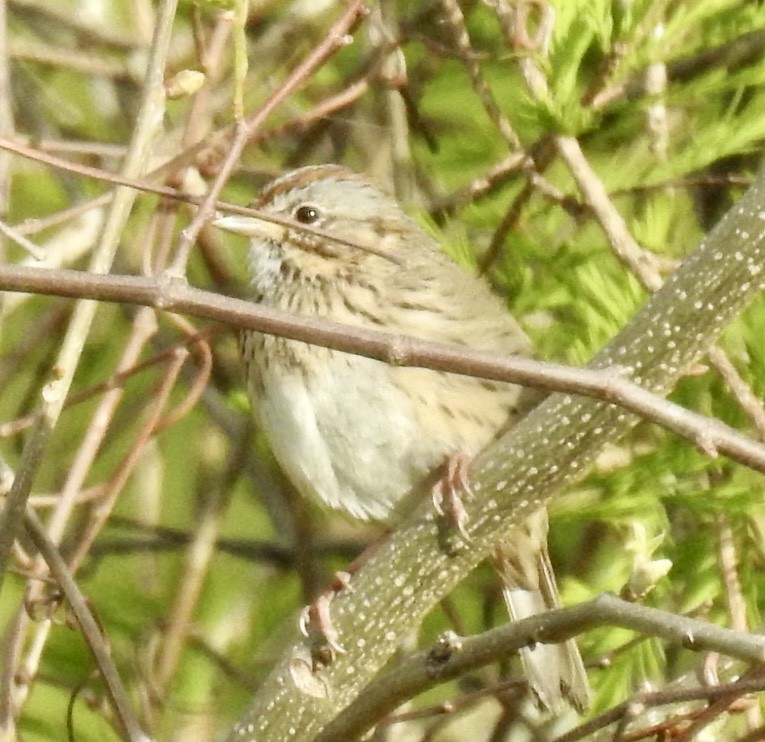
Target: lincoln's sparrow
{"points": [[357, 433]]}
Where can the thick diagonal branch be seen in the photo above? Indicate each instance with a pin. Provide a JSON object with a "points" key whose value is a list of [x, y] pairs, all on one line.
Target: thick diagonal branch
{"points": [[547, 450]]}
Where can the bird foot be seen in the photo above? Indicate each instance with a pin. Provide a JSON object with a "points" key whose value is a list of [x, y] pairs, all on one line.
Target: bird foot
{"points": [[316, 624], [447, 492], [315, 620]]}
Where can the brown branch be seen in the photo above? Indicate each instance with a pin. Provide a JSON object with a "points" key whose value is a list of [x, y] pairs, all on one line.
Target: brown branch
{"points": [[197, 564], [453, 656], [610, 384], [7, 123], [750, 403], [165, 538], [115, 381], [106, 503], [731, 55], [53, 15], [90, 629], [335, 38], [85, 62], [169, 193], [55, 391], [455, 23], [722, 694]]}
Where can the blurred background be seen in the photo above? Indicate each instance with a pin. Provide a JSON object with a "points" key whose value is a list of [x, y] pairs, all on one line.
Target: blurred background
{"points": [[193, 550]]}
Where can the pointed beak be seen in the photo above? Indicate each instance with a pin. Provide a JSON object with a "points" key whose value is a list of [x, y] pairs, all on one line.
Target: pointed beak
{"points": [[250, 227]]}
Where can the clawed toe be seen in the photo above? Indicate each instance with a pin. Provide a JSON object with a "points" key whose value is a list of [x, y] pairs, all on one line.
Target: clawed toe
{"points": [[446, 493], [315, 623]]}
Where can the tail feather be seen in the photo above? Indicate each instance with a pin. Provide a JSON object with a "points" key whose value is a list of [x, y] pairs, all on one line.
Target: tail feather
{"points": [[555, 672]]}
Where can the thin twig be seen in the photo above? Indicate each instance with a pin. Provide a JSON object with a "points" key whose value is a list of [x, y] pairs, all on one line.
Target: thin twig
{"points": [[335, 38], [173, 193], [455, 22], [199, 556], [201, 348], [90, 630], [718, 706], [62, 18], [750, 403], [85, 62], [725, 693], [640, 262], [19, 239], [13, 427], [164, 538], [480, 186], [593, 191], [103, 507], [143, 327], [54, 392], [70, 495], [7, 124], [728, 562]]}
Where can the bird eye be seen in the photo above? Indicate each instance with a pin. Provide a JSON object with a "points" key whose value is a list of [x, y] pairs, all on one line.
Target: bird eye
{"points": [[306, 214]]}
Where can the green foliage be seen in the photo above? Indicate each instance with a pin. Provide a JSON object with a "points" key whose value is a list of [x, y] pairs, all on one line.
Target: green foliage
{"points": [[555, 269]]}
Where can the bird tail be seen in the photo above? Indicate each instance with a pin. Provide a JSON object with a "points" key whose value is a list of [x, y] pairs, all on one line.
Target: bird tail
{"points": [[555, 672]]}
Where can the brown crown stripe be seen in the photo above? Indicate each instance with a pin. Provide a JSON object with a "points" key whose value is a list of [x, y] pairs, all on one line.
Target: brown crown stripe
{"points": [[303, 177]]}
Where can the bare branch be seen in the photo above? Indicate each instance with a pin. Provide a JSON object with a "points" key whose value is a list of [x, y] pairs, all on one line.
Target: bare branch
{"points": [[117, 693], [610, 384], [453, 655], [55, 391], [335, 38]]}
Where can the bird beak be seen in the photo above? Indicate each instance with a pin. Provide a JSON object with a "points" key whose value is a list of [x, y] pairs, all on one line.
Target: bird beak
{"points": [[249, 226]]}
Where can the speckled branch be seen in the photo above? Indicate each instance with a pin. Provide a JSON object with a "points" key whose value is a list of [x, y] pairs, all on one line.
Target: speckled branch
{"points": [[533, 463], [713, 285]]}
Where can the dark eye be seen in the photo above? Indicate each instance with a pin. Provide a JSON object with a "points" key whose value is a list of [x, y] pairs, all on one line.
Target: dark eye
{"points": [[306, 214]]}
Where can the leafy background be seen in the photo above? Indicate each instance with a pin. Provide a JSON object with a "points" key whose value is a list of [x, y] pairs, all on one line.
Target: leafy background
{"points": [[208, 554]]}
